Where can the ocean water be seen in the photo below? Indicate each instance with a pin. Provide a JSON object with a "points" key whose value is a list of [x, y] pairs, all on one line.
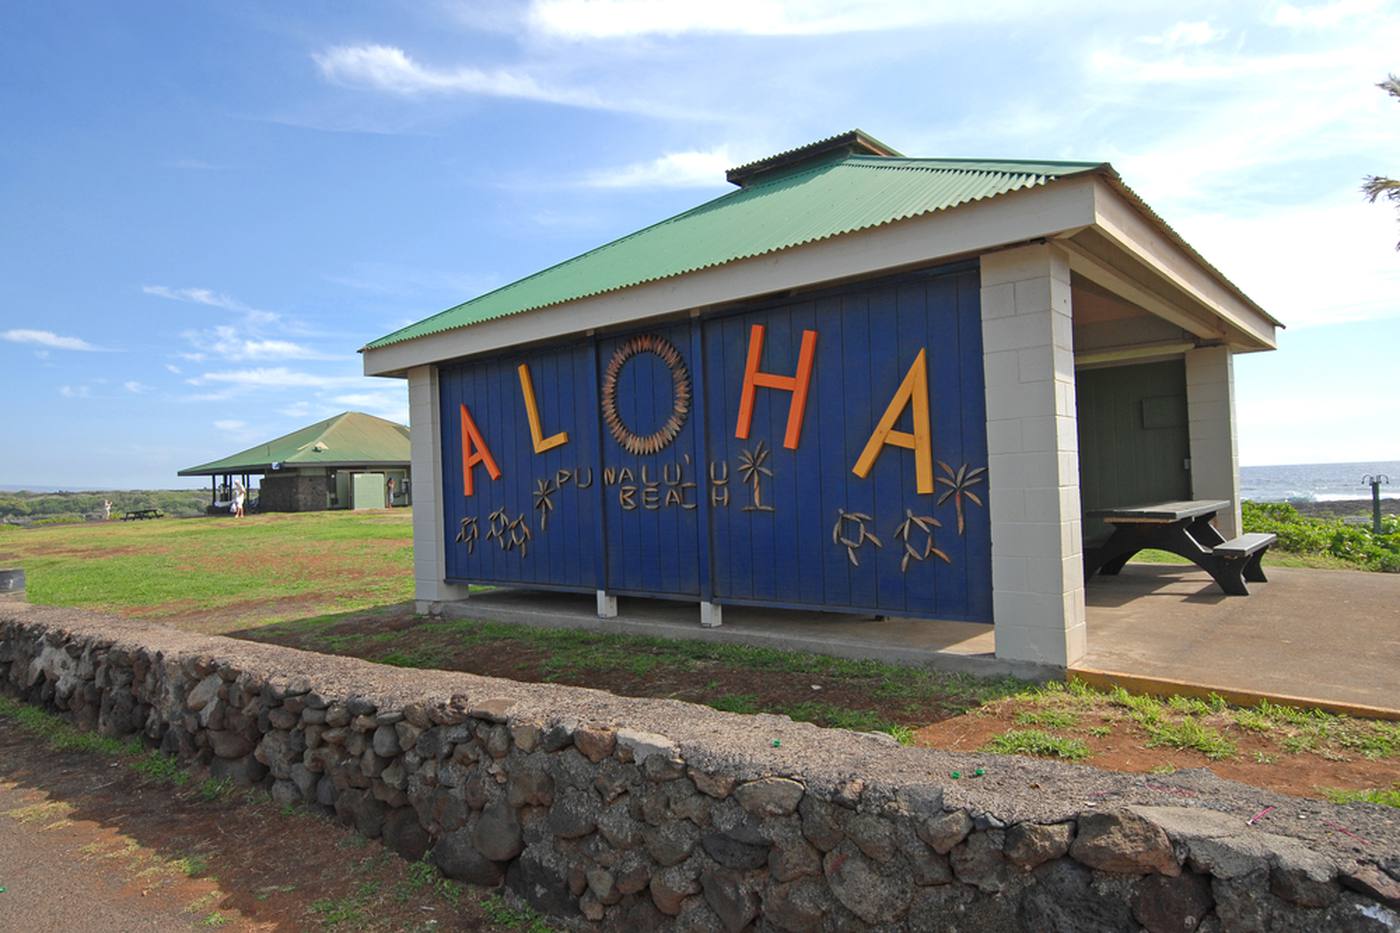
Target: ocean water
{"points": [[1316, 482]]}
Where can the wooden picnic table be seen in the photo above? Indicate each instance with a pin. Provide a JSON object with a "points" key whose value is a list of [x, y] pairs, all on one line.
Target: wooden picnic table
{"points": [[140, 514], [1183, 528]]}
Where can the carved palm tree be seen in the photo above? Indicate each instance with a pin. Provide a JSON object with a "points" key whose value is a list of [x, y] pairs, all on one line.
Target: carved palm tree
{"points": [[752, 469], [959, 483], [544, 503]]}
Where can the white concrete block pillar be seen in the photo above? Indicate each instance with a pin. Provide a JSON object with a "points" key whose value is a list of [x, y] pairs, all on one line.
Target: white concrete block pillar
{"points": [[1033, 456], [425, 438], [1210, 414], [607, 605]]}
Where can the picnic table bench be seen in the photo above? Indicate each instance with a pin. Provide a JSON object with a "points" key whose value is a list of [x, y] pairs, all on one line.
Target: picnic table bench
{"points": [[140, 514], [1183, 528]]}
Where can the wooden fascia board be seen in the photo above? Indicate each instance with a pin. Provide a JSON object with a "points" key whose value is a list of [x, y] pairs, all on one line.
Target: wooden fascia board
{"points": [[968, 230], [1142, 237], [1098, 259]]}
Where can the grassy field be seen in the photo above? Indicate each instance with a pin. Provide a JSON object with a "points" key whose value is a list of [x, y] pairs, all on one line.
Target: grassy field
{"points": [[339, 582], [218, 574]]}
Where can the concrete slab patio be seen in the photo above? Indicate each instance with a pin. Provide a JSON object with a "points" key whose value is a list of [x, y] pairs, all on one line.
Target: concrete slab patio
{"points": [[1325, 637]]}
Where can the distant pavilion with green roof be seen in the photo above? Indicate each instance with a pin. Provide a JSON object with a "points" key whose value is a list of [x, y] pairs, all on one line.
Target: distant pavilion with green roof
{"points": [[343, 462], [859, 383]]}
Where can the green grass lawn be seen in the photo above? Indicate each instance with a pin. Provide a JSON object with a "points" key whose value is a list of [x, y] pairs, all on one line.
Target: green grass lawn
{"points": [[220, 572], [336, 581]]}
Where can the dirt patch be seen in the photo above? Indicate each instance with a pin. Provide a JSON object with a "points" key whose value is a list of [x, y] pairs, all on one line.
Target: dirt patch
{"points": [[1301, 758], [174, 857], [1257, 761], [403, 639], [220, 619]]}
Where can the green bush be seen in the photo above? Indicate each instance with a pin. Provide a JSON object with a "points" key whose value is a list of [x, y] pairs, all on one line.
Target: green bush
{"points": [[1300, 534]]}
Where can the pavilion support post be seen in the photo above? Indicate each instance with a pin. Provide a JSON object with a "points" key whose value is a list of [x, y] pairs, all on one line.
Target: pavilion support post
{"points": [[1210, 416], [1033, 456], [429, 540]]}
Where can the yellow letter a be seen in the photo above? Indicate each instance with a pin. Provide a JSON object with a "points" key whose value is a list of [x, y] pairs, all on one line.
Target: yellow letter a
{"points": [[914, 388]]}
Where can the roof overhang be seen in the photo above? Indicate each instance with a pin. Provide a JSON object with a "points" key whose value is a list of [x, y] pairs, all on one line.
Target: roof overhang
{"points": [[1111, 237], [293, 467]]}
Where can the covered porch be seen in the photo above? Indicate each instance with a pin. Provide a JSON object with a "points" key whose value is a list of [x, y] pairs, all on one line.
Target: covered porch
{"points": [[1109, 364]]}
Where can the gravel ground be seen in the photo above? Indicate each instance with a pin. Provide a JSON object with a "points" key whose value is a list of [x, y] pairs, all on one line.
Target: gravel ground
{"points": [[43, 891]]}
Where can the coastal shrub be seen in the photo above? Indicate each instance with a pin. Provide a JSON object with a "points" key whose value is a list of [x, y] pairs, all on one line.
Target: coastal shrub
{"points": [[1300, 534]]}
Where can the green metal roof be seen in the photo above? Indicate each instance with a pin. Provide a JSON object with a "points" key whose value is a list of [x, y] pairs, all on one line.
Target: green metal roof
{"points": [[815, 202], [351, 438]]}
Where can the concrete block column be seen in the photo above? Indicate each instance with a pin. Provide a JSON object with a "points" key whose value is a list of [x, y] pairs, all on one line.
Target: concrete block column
{"points": [[1033, 456], [425, 437], [1210, 415]]}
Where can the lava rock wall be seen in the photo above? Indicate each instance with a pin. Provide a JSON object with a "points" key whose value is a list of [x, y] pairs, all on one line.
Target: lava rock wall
{"points": [[614, 813]]}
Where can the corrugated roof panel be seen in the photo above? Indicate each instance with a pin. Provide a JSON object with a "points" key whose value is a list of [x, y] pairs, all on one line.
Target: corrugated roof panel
{"points": [[350, 437], [832, 198]]}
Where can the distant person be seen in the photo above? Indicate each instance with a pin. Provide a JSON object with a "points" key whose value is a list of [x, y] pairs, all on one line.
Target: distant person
{"points": [[391, 493], [239, 495], [106, 510]]}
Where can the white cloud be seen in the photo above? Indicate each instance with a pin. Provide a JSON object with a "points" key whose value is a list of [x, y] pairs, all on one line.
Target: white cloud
{"points": [[615, 19], [1323, 15], [390, 403], [1198, 32], [274, 378], [1229, 122], [75, 391], [1262, 251], [296, 410], [47, 338], [689, 169], [171, 367], [228, 343], [213, 299], [135, 388], [386, 68], [230, 424]]}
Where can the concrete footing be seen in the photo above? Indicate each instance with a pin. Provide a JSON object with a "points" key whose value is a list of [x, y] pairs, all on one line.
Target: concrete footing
{"points": [[711, 615], [607, 605], [952, 646]]}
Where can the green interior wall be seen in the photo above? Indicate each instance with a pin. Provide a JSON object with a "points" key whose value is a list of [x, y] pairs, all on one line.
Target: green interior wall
{"points": [[1133, 440]]}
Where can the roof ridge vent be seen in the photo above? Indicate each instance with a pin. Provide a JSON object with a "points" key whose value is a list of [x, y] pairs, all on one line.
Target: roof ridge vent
{"points": [[852, 142]]}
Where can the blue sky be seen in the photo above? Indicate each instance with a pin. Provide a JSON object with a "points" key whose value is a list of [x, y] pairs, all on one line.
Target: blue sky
{"points": [[210, 207]]}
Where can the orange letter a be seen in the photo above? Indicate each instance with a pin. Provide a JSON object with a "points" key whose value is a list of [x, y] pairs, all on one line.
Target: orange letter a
{"points": [[797, 384], [474, 451], [914, 389]]}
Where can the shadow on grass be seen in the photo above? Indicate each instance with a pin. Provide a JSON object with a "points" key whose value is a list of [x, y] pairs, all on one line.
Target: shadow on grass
{"points": [[862, 695]]}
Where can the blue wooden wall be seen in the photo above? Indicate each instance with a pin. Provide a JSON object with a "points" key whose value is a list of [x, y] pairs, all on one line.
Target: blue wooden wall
{"points": [[711, 516]]}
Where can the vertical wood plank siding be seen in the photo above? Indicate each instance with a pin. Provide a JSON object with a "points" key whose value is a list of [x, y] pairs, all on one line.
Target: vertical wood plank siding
{"points": [[642, 528]]}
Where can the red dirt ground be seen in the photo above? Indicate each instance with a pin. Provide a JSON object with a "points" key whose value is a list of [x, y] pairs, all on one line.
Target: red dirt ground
{"points": [[937, 723]]}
